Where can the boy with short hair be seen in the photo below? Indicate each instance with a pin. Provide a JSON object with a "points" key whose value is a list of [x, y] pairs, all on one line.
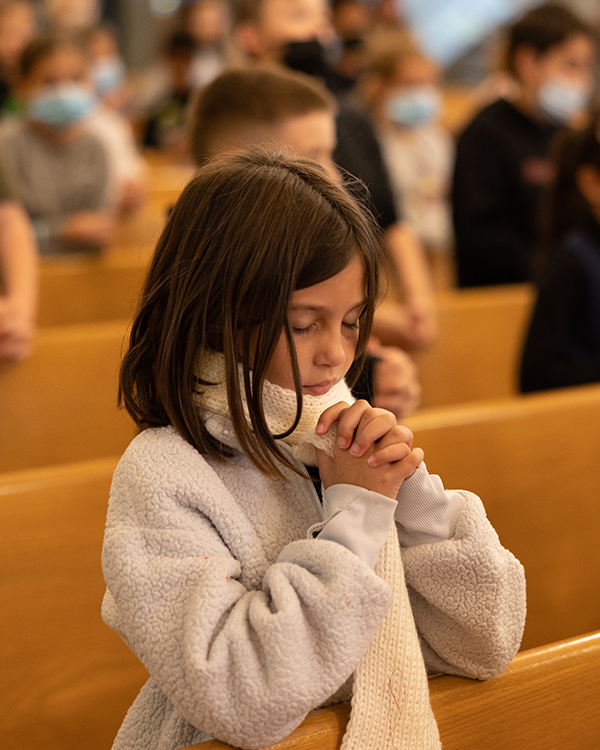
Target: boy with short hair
{"points": [[291, 112]]}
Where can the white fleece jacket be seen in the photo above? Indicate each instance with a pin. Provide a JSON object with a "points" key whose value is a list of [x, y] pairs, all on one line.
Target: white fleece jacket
{"points": [[249, 607]]}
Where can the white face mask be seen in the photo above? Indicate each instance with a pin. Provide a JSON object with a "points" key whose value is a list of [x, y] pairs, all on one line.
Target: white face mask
{"points": [[560, 101]]}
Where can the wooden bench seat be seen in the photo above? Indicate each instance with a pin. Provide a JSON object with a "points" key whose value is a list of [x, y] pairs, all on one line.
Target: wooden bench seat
{"points": [[534, 462], [67, 679], [547, 699], [59, 405]]}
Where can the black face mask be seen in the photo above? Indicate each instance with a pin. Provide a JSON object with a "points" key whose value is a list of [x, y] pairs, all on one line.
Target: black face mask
{"points": [[306, 57]]}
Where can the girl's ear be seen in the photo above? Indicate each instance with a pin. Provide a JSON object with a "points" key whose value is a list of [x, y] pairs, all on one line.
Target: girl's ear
{"points": [[587, 178]]}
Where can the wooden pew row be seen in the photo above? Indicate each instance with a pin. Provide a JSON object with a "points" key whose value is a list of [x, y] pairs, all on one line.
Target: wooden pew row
{"points": [[89, 290], [547, 699], [67, 679], [59, 405], [478, 348], [534, 462]]}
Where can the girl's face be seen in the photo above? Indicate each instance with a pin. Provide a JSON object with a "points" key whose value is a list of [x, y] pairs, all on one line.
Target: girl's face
{"points": [[325, 320]]}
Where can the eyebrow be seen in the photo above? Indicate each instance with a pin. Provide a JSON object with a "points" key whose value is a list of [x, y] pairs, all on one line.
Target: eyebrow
{"points": [[322, 308]]}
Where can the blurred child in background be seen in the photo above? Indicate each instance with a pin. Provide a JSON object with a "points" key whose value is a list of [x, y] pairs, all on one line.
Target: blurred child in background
{"points": [[401, 90], [17, 29], [59, 169], [502, 162], [295, 35], [128, 170], [165, 127], [291, 112], [208, 22], [562, 347], [18, 277]]}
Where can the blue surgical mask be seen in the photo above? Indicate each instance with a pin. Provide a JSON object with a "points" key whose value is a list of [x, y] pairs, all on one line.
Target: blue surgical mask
{"points": [[62, 105], [414, 107], [108, 74], [561, 101]]}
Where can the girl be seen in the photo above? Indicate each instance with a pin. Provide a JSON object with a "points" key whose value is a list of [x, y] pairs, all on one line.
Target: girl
{"points": [[60, 171], [562, 346], [248, 591]]}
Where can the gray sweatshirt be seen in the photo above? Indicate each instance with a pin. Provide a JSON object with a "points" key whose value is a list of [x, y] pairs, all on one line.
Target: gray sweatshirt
{"points": [[250, 603]]}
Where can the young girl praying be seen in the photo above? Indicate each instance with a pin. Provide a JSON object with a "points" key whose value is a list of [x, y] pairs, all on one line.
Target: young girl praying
{"points": [[251, 593]]}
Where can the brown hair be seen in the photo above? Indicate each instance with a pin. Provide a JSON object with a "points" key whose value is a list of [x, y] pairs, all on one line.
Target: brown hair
{"points": [[244, 11], [245, 233], [239, 99], [43, 47], [543, 28]]}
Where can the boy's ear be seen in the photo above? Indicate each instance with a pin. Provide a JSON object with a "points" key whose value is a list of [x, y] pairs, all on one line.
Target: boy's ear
{"points": [[525, 63], [587, 178], [250, 39]]}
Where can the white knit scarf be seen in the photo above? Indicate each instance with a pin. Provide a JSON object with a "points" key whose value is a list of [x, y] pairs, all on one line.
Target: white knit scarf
{"points": [[390, 699]]}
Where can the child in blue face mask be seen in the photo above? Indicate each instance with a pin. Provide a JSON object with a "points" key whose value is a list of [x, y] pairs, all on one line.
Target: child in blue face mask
{"points": [[59, 169], [400, 88], [502, 165]]}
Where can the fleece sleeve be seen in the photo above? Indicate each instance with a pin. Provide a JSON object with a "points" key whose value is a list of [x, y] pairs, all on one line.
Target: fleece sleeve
{"points": [[242, 662], [468, 597]]}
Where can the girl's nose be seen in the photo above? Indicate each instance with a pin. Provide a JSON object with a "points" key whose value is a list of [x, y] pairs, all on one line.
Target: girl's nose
{"points": [[331, 351]]}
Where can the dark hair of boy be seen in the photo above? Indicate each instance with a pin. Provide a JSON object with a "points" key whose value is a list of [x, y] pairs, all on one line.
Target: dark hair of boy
{"points": [[543, 28], [245, 233], [244, 11], [240, 99]]}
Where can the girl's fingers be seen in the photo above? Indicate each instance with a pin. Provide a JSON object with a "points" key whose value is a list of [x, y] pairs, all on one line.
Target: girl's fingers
{"points": [[330, 416], [398, 452], [382, 430]]}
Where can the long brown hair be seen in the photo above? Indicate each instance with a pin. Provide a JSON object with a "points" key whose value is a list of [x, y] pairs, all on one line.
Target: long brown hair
{"points": [[246, 232]]}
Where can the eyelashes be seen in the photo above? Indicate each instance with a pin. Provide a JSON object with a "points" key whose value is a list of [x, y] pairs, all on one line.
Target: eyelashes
{"points": [[303, 331]]}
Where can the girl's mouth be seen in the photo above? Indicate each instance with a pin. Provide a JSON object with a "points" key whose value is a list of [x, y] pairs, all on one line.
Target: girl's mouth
{"points": [[319, 389]]}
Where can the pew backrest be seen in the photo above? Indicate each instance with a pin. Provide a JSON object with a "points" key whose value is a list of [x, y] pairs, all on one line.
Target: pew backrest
{"points": [[59, 405], [67, 679], [478, 349]]}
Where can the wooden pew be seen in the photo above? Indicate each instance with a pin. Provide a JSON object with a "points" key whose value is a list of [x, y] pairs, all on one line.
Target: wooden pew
{"points": [[59, 405], [89, 290], [547, 699], [534, 462], [478, 348], [67, 679]]}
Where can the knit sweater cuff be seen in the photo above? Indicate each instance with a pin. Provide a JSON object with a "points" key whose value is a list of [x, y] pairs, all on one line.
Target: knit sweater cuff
{"points": [[426, 512], [356, 518]]}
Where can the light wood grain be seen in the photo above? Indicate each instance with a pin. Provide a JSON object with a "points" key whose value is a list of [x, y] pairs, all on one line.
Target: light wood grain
{"points": [[478, 349], [67, 679], [90, 290], [60, 404]]}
